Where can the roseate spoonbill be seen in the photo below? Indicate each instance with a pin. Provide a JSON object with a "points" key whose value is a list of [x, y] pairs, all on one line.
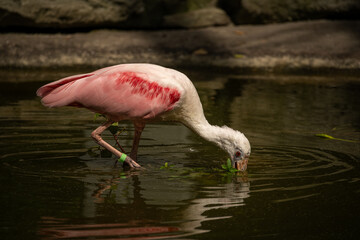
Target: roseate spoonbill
{"points": [[142, 93]]}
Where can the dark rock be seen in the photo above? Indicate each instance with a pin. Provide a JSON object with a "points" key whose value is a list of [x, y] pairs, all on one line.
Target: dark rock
{"points": [[204, 17], [179, 6], [269, 11], [74, 15], [66, 13], [90, 14]]}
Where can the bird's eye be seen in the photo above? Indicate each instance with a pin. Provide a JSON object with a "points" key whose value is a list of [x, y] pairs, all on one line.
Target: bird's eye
{"points": [[238, 154]]}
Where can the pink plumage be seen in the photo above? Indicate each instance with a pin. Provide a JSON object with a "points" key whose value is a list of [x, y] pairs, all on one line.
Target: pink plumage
{"points": [[142, 93], [118, 92]]}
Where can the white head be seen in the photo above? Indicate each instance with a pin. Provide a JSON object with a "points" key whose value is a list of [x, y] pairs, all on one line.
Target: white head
{"points": [[237, 145]]}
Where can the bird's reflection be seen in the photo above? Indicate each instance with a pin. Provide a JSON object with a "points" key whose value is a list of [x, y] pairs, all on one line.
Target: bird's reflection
{"points": [[60, 229], [129, 198]]}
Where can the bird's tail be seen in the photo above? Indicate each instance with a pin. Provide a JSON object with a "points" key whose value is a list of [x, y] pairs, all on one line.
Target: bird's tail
{"points": [[58, 93]]}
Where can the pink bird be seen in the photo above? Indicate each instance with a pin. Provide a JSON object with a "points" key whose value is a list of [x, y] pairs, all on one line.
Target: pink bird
{"points": [[143, 93]]}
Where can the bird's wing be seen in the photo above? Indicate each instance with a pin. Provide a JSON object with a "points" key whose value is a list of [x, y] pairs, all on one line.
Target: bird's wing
{"points": [[48, 88], [60, 93], [114, 92]]}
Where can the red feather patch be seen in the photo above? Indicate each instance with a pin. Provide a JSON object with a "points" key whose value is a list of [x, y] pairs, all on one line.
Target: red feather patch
{"points": [[148, 89]]}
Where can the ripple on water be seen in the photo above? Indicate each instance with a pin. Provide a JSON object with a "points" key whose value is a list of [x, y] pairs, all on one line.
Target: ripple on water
{"points": [[298, 172]]}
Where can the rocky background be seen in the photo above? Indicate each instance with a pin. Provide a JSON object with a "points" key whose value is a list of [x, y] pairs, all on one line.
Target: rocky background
{"points": [[42, 15], [270, 35]]}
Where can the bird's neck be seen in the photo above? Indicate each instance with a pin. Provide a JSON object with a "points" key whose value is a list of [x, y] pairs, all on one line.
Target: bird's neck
{"points": [[207, 131]]}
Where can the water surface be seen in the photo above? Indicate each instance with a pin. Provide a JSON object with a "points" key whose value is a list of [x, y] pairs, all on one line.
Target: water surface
{"points": [[297, 186]]}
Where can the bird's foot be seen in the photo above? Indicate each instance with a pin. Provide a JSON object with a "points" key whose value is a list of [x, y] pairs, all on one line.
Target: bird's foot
{"points": [[129, 162]]}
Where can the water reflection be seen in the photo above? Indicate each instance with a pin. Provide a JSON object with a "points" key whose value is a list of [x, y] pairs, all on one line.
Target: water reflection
{"points": [[134, 202], [54, 228], [224, 196], [172, 191], [51, 187]]}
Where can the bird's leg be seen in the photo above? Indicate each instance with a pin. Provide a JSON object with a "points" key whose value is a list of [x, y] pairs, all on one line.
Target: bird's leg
{"points": [[139, 127], [96, 135], [118, 144]]}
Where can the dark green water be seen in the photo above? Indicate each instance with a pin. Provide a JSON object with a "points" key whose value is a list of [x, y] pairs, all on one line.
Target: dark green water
{"points": [[297, 186]]}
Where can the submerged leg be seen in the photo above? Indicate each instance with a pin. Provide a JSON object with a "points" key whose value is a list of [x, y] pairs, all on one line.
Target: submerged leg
{"points": [[96, 135], [139, 127]]}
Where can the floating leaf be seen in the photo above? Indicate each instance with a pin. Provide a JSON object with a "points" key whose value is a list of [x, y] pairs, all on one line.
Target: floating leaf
{"points": [[166, 166], [122, 175], [228, 167], [228, 162], [96, 115], [239, 56], [323, 135]]}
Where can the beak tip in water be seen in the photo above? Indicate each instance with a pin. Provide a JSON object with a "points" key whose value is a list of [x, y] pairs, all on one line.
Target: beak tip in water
{"points": [[237, 165], [241, 165]]}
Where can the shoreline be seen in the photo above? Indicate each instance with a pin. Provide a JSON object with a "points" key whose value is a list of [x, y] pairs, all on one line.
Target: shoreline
{"points": [[314, 46]]}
